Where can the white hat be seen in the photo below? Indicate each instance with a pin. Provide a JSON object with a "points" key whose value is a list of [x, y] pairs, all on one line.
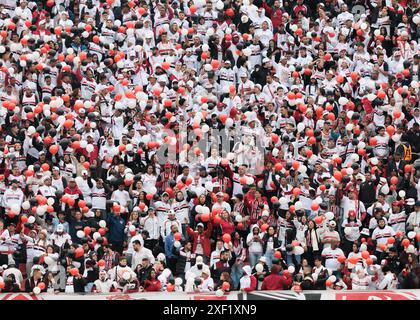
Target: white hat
{"points": [[265, 60], [410, 202], [332, 223], [60, 228]]}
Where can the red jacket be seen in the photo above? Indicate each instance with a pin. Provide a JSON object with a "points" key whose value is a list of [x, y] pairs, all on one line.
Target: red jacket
{"points": [[152, 285], [204, 239], [276, 282]]}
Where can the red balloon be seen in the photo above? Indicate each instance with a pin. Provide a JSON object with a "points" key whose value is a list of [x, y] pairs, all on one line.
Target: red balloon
{"points": [[353, 259], [53, 149], [295, 164], [226, 238], [394, 180], [318, 220], [230, 12], [405, 242], [314, 206], [71, 201], [278, 166], [296, 192], [341, 259], [408, 168], [277, 255], [74, 272], [365, 255], [338, 175], [79, 252], [397, 114], [178, 236], [41, 285], [223, 118], [390, 240], [264, 227], [225, 286], [101, 263], [87, 230], [102, 231], [205, 217]]}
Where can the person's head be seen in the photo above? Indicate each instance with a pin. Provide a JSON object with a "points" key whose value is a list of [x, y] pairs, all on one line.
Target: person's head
{"points": [[123, 261], [136, 245], [381, 223]]}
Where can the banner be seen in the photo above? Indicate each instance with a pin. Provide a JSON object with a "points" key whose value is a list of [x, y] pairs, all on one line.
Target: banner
{"points": [[235, 295]]}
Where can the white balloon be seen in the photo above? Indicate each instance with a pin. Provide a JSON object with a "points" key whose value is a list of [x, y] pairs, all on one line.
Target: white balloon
{"points": [[208, 67], [96, 235], [31, 219], [329, 215], [298, 205], [374, 161], [291, 269], [300, 127], [363, 26], [229, 122], [349, 127], [259, 267], [238, 218], [401, 194], [31, 130], [343, 101], [411, 235], [416, 19], [205, 128], [298, 250], [15, 208], [37, 290], [377, 32], [249, 180], [385, 189], [247, 52], [102, 223], [83, 144], [80, 234], [332, 279], [349, 171], [219, 293], [177, 244], [40, 210], [50, 201], [132, 228], [293, 27], [205, 47], [361, 145], [178, 281]]}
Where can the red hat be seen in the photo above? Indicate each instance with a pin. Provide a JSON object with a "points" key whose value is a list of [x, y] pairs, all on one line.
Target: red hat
{"points": [[352, 213]]}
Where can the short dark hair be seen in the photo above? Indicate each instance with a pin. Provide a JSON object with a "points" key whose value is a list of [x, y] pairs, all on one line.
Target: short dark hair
{"points": [[136, 242]]}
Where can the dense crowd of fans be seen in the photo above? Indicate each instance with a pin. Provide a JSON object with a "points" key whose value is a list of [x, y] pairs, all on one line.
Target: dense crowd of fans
{"points": [[197, 146]]}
